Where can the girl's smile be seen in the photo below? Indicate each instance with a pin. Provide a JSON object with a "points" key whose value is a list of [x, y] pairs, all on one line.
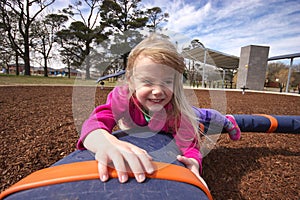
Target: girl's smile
{"points": [[153, 83]]}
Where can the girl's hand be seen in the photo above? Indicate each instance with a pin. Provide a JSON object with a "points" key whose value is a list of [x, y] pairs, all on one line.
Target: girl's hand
{"points": [[192, 165], [110, 150]]}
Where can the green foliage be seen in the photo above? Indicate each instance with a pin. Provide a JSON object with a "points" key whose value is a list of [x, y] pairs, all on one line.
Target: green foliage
{"points": [[124, 20], [156, 17], [24, 13], [78, 40], [93, 22], [122, 15], [42, 34]]}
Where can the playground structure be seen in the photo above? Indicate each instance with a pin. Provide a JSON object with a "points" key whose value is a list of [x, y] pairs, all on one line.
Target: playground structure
{"points": [[76, 176], [268, 123], [77, 173], [120, 73], [85, 174], [251, 66]]}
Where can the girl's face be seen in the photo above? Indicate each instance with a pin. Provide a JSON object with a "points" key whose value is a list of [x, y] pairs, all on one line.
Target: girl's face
{"points": [[153, 83]]}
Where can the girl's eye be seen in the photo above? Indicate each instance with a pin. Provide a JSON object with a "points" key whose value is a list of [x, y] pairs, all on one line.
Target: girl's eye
{"points": [[148, 82], [168, 82]]}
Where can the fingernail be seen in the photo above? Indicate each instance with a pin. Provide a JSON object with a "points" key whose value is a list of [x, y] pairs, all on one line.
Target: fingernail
{"points": [[103, 178], [141, 177], [123, 178], [150, 171]]}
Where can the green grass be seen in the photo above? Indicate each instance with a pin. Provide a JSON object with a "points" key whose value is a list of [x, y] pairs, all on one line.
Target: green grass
{"points": [[41, 80]]}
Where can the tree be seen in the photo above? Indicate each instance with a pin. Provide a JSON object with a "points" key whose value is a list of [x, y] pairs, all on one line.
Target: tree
{"points": [[126, 19], [156, 17], [11, 37], [123, 18], [25, 13], [122, 15], [5, 49], [278, 72], [195, 43], [66, 59], [43, 35], [273, 70], [5, 54], [80, 36]]}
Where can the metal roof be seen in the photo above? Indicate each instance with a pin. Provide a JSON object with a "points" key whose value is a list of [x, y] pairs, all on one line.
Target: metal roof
{"points": [[213, 57], [287, 56]]}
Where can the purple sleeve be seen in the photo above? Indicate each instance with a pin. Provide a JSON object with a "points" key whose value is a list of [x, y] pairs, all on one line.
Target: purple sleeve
{"points": [[208, 115], [103, 117], [211, 118]]}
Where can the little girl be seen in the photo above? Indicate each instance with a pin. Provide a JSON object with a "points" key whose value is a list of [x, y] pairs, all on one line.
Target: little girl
{"points": [[152, 97]]}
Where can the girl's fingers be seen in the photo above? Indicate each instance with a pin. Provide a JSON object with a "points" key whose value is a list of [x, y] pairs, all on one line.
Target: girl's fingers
{"points": [[102, 166], [123, 157], [184, 160], [102, 169], [123, 176], [119, 164], [146, 161], [138, 161]]}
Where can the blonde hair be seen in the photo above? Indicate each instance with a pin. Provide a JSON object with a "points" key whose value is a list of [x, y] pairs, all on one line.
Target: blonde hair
{"points": [[162, 51]]}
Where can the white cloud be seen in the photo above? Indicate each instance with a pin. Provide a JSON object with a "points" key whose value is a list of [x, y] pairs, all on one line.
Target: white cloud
{"points": [[227, 26]]}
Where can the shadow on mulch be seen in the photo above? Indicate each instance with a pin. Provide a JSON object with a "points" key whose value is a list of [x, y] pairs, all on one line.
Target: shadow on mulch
{"points": [[224, 174]]}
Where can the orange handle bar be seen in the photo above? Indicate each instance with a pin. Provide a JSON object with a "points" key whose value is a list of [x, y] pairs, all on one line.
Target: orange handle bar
{"points": [[88, 170]]}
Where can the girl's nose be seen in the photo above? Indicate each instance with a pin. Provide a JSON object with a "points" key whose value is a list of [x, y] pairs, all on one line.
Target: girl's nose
{"points": [[157, 89]]}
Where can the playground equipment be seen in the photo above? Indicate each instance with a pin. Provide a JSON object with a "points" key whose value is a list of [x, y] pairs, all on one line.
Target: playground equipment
{"points": [[120, 73], [268, 123], [75, 176]]}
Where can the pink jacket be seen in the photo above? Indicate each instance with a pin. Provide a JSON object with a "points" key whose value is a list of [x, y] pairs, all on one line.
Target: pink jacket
{"points": [[120, 106]]}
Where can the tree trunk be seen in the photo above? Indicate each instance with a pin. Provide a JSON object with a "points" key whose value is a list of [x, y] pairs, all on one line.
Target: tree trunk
{"points": [[125, 57], [87, 59], [69, 68], [17, 64], [26, 59], [26, 44], [87, 69], [124, 62], [45, 67]]}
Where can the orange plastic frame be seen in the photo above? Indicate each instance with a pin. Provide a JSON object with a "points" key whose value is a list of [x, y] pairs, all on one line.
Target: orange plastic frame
{"points": [[88, 170]]}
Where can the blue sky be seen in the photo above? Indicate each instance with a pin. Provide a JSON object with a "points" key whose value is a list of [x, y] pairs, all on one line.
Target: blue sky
{"points": [[227, 25]]}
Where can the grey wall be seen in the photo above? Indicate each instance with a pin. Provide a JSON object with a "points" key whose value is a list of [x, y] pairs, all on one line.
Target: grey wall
{"points": [[252, 67]]}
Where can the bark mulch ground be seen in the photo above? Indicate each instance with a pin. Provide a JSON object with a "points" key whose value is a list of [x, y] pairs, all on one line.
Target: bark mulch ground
{"points": [[39, 127]]}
